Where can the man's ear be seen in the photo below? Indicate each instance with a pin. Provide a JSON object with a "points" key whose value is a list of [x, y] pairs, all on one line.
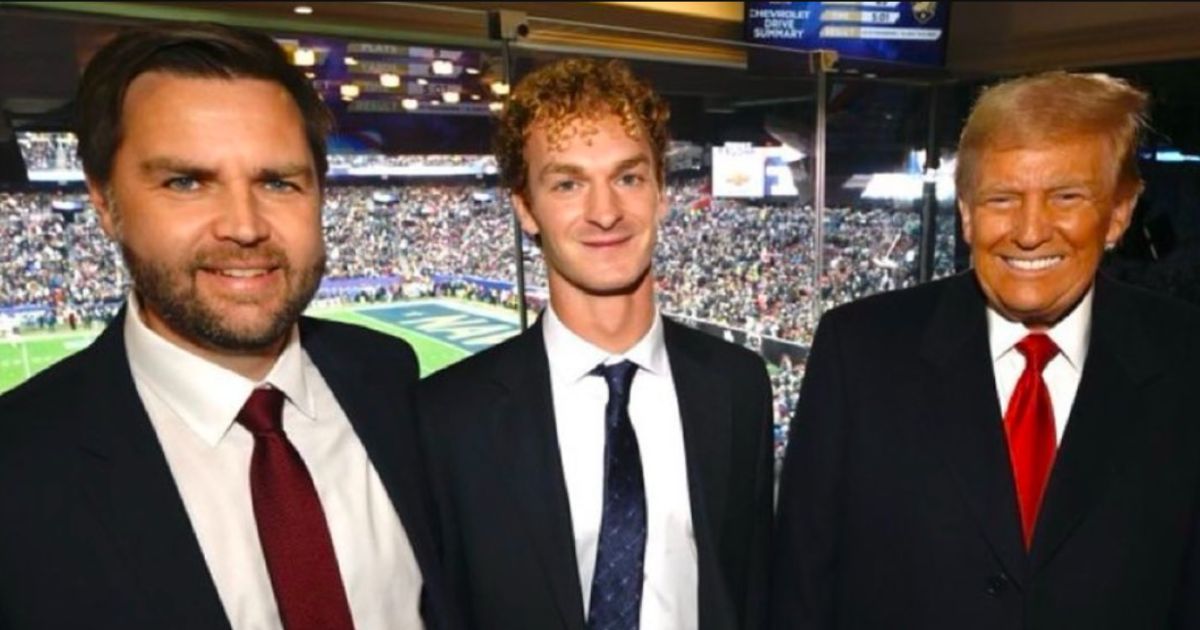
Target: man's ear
{"points": [[524, 216], [108, 219], [661, 213], [964, 212], [1119, 220]]}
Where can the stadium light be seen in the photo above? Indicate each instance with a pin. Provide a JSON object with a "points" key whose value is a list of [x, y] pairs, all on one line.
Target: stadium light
{"points": [[409, 104], [304, 57], [500, 88], [350, 90], [389, 80], [441, 67], [451, 97], [303, 10]]}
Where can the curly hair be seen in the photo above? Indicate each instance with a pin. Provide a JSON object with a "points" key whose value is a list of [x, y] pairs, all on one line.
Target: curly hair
{"points": [[570, 91]]}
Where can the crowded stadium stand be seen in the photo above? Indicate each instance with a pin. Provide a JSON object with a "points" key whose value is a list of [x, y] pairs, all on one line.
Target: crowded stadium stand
{"points": [[737, 268], [420, 236]]}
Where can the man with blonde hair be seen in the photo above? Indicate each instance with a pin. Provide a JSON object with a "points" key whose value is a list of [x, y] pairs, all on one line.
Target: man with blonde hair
{"points": [[608, 468], [1016, 446]]}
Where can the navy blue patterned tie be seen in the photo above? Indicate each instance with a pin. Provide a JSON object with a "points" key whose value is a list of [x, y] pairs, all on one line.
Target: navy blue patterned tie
{"points": [[616, 599]]}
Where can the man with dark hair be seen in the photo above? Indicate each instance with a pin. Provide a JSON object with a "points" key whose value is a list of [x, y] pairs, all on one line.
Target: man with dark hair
{"points": [[1017, 446], [214, 460], [608, 468]]}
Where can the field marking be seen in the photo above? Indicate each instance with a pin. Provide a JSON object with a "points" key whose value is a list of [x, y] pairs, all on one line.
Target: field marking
{"points": [[449, 323], [397, 331]]}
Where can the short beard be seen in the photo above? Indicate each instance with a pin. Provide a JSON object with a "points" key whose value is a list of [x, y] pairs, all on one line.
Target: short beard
{"points": [[181, 308]]}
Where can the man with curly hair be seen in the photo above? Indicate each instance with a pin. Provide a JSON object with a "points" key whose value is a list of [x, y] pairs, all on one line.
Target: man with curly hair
{"points": [[612, 468]]}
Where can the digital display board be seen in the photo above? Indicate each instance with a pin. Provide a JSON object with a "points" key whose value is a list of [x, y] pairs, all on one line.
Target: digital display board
{"points": [[740, 170], [912, 33]]}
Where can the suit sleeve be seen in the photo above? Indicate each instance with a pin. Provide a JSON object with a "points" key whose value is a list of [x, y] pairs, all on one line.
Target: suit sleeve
{"points": [[432, 418], [1187, 599], [764, 486], [1186, 613], [804, 564]]}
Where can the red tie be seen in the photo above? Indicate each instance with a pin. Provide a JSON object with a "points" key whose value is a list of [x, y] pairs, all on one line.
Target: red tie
{"points": [[1029, 427], [291, 524]]}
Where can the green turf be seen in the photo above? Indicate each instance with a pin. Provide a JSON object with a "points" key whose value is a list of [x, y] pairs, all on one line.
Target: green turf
{"points": [[431, 353], [26, 356], [20, 359]]}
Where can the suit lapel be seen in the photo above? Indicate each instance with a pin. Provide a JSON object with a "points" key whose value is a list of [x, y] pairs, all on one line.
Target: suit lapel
{"points": [[707, 415], [376, 411], [526, 448], [125, 478], [1118, 362], [965, 426]]}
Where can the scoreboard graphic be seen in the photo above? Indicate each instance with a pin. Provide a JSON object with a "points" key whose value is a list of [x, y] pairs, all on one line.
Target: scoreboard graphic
{"points": [[893, 32]]}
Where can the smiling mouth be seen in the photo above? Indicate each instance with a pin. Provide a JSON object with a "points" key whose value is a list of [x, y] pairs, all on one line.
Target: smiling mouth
{"points": [[1033, 264], [608, 242], [242, 273]]}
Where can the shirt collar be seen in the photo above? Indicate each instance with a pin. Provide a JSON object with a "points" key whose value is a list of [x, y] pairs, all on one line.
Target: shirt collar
{"points": [[206, 396], [572, 357], [1071, 334]]}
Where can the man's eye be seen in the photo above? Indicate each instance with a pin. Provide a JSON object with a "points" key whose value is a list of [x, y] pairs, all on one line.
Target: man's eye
{"points": [[566, 185], [281, 185], [182, 184], [631, 179]]}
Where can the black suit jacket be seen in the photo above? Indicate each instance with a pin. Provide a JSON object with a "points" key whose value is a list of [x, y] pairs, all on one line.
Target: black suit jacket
{"points": [[93, 532], [489, 431], [897, 508]]}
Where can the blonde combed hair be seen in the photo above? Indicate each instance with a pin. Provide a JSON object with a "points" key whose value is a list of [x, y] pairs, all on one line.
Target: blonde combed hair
{"points": [[1044, 108]]}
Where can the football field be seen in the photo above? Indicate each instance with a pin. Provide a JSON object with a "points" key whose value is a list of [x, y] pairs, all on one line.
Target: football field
{"points": [[441, 331]]}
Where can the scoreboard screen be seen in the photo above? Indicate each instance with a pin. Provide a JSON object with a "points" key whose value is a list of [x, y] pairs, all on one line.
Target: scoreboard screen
{"points": [[912, 33]]}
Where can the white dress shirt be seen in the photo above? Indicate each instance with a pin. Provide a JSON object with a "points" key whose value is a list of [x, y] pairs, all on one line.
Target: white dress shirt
{"points": [[192, 404], [669, 592], [1062, 372]]}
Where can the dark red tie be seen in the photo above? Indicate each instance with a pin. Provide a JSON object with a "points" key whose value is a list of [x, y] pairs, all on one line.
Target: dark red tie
{"points": [[1029, 427], [291, 524]]}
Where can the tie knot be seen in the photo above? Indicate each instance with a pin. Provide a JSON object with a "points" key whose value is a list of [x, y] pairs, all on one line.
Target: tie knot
{"points": [[618, 376], [262, 412], [1038, 350]]}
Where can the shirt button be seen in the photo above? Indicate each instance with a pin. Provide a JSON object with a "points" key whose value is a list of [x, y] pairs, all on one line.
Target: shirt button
{"points": [[996, 584]]}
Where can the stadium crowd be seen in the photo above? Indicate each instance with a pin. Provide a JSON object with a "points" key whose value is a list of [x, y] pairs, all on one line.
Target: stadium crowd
{"points": [[353, 160], [737, 264]]}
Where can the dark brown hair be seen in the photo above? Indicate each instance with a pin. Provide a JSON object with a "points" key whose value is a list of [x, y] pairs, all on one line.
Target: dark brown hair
{"points": [[190, 50], [569, 90]]}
